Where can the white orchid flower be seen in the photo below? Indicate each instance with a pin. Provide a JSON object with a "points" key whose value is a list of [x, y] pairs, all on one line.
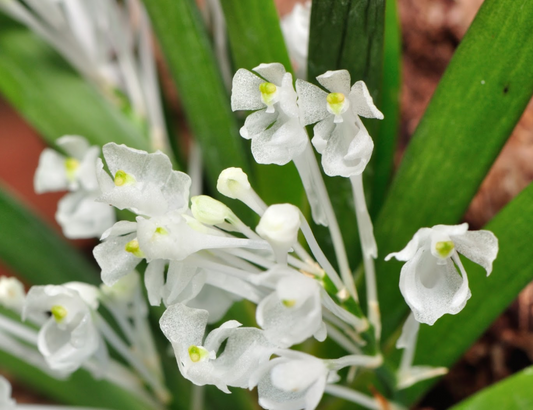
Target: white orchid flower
{"points": [[77, 213], [293, 312], [76, 170], [200, 361], [433, 281], [339, 134], [142, 182], [274, 128], [292, 381], [69, 336]]}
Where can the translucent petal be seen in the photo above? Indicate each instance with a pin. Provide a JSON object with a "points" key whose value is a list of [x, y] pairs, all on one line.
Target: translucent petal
{"points": [[184, 282], [245, 94], [51, 173], [418, 373], [312, 102], [81, 217], [336, 81], [297, 375], [361, 102], [432, 289], [74, 145], [480, 247], [213, 299], [272, 72]]}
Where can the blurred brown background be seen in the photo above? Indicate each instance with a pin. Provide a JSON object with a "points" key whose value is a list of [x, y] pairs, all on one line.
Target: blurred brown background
{"points": [[431, 30]]}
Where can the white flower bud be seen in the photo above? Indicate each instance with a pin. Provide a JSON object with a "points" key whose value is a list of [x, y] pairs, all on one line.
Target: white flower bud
{"points": [[233, 183], [210, 211], [12, 293], [279, 225]]}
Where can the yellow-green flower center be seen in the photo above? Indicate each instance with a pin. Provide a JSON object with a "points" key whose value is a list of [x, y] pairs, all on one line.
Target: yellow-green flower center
{"points": [[58, 312], [133, 248], [444, 248], [288, 302], [336, 102], [197, 353], [71, 166], [123, 178], [268, 92], [161, 231]]}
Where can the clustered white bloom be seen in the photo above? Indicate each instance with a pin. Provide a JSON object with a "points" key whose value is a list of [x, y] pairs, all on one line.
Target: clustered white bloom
{"points": [[77, 213], [201, 258]]}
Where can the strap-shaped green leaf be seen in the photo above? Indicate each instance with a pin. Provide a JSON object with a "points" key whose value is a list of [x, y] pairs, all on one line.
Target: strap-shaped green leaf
{"points": [[52, 97], [255, 37], [513, 393], [386, 137], [35, 251], [188, 52], [443, 343], [478, 102]]}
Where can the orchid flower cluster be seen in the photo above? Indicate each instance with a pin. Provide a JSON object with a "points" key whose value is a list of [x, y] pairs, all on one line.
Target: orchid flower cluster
{"points": [[201, 258]]}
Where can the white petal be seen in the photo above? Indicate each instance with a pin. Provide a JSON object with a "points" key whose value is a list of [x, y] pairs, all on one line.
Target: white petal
{"points": [[258, 122], [297, 375], [81, 217], [347, 152], [183, 327], [480, 247], [51, 173], [113, 259], [432, 289], [312, 102], [361, 102], [272, 72], [287, 99], [322, 133], [87, 170], [5, 394], [245, 94], [280, 143], [154, 279], [336, 81], [409, 333], [74, 146], [420, 239]]}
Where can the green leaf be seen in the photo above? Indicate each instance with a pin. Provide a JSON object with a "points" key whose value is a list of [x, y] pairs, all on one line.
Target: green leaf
{"points": [[473, 111], [52, 97], [34, 250], [513, 393], [443, 343], [255, 37], [206, 102], [386, 138]]}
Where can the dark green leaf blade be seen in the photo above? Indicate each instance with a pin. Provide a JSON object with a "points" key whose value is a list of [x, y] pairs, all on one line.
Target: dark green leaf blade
{"points": [[478, 102], [35, 251], [188, 52]]}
